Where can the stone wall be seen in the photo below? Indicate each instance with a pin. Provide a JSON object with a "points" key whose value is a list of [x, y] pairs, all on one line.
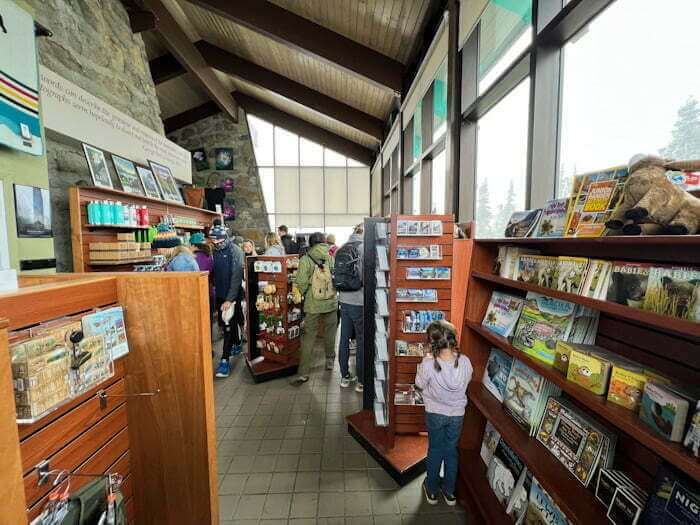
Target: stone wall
{"points": [[92, 46], [251, 220]]}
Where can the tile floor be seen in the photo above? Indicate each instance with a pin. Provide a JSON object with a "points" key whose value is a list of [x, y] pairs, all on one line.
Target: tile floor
{"points": [[285, 456]]}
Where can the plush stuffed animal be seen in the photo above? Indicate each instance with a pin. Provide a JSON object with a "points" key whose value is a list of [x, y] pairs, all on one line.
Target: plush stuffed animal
{"points": [[652, 204]]}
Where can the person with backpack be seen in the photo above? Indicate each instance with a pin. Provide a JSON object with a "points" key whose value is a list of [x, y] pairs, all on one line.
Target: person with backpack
{"points": [[288, 242], [315, 282], [347, 279]]}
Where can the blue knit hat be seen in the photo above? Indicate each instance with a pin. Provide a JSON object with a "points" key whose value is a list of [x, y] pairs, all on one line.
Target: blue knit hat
{"points": [[218, 232], [197, 238]]}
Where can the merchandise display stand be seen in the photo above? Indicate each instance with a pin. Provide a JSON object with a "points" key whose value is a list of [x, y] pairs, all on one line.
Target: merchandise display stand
{"points": [[125, 431], [274, 316], [666, 344], [83, 233], [395, 302]]}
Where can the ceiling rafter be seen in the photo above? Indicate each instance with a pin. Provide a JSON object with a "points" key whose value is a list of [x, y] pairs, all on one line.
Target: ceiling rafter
{"points": [[180, 45], [167, 67], [310, 38]]}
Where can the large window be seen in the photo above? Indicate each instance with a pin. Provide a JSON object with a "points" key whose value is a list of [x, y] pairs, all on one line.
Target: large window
{"points": [[417, 141], [308, 187], [415, 193], [629, 92], [501, 163], [440, 101], [505, 33], [438, 178]]}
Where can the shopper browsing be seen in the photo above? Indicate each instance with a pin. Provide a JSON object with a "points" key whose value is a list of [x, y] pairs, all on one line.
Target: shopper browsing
{"points": [[290, 245], [228, 280], [443, 377], [248, 248], [314, 280], [273, 244], [330, 241], [182, 260], [205, 262], [347, 279]]}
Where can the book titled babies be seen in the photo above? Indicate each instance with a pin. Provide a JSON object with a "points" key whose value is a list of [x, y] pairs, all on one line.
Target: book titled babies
{"points": [[502, 313]]}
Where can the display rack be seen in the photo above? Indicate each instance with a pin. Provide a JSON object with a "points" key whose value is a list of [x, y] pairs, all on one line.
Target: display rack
{"points": [[167, 324], [272, 354], [396, 438], [664, 343], [83, 233]]}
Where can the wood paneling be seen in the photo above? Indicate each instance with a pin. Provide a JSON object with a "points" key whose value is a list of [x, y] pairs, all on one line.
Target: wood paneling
{"points": [[179, 94], [11, 487], [170, 350]]}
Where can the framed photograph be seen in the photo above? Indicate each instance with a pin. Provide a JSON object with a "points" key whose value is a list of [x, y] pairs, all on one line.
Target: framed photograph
{"points": [[32, 211], [199, 157], [224, 158], [166, 182], [97, 163], [126, 171], [149, 182]]}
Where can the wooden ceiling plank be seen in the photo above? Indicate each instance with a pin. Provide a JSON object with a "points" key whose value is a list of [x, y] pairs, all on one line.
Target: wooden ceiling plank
{"points": [[183, 49], [296, 31], [307, 130], [190, 116]]}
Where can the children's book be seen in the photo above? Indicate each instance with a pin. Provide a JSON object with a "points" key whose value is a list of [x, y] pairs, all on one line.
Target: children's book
{"points": [[692, 437], [539, 270], [594, 197], [502, 313], [595, 283], [570, 274], [526, 394], [110, 324], [503, 471], [628, 283], [522, 223], [489, 442], [589, 367], [541, 509], [552, 222], [674, 499], [517, 503], [627, 382], [507, 263], [664, 410], [543, 321], [674, 292], [496, 373]]}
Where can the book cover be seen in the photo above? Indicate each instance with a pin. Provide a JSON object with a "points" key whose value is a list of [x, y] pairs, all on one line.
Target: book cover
{"points": [[523, 392], [539, 270], [593, 285], [504, 470], [664, 411], [626, 385], [562, 354], [502, 313], [110, 324], [541, 510], [628, 283], [589, 369], [674, 499], [522, 223], [674, 292], [511, 254], [692, 437], [570, 274], [543, 321], [489, 442], [594, 197], [517, 503], [552, 222], [496, 373], [625, 508]]}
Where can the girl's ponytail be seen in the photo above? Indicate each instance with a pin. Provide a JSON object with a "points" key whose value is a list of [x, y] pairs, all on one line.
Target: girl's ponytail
{"points": [[441, 335]]}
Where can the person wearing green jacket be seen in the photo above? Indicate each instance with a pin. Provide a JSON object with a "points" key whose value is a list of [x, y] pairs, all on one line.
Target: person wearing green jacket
{"points": [[313, 278]]}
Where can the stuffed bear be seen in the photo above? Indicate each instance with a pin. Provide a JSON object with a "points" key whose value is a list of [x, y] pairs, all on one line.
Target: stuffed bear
{"points": [[652, 204]]}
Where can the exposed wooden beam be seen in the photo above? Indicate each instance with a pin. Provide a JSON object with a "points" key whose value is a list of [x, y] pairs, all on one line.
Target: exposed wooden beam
{"points": [[429, 26], [306, 36], [183, 49], [306, 129], [165, 68], [238, 67], [141, 20], [190, 116]]}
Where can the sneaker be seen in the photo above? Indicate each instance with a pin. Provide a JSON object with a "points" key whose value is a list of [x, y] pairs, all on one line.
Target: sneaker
{"points": [[359, 387], [449, 499], [431, 498], [224, 369], [347, 380], [237, 349], [299, 380], [330, 362]]}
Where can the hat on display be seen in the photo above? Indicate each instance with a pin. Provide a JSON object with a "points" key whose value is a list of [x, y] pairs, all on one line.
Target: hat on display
{"points": [[197, 238], [218, 232]]}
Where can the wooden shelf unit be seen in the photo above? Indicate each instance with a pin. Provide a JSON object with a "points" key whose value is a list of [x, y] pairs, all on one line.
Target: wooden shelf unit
{"points": [[286, 362], [82, 233], [667, 344], [167, 323]]}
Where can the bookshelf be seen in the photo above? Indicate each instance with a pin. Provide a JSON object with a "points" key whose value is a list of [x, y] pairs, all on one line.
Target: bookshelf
{"points": [[665, 343]]}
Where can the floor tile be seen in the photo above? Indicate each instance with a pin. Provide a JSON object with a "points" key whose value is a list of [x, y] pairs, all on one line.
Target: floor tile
{"points": [[358, 504], [232, 484], [250, 506], [282, 482], [258, 483], [304, 505], [277, 506], [307, 482]]}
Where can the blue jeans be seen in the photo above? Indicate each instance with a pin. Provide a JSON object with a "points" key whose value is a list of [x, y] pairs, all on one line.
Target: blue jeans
{"points": [[443, 435], [351, 321]]}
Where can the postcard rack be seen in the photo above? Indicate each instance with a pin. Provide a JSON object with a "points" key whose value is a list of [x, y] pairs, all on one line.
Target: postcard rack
{"points": [[664, 343], [418, 280], [274, 316], [114, 427]]}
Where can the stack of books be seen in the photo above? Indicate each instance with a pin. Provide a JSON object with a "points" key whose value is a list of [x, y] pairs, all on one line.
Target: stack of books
{"points": [[526, 396], [578, 441]]}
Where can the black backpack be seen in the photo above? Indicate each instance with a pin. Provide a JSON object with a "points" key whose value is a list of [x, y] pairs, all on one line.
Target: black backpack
{"points": [[346, 271]]}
